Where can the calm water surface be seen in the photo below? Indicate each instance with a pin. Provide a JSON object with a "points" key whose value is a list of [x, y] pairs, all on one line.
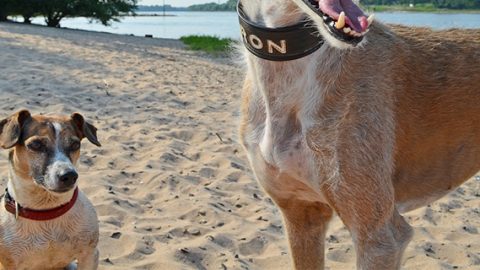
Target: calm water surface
{"points": [[225, 24]]}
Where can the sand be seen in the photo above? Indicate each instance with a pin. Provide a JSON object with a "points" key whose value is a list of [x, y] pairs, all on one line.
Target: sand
{"points": [[171, 184]]}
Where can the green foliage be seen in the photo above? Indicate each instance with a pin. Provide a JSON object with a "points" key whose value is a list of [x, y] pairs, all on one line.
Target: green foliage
{"points": [[417, 8], [155, 8], [210, 44], [6, 8], [107, 10], [54, 11], [457, 4], [426, 5], [230, 5], [27, 9]]}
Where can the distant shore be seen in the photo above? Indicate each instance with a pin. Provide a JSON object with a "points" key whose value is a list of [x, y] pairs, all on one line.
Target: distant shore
{"points": [[417, 8], [153, 14]]}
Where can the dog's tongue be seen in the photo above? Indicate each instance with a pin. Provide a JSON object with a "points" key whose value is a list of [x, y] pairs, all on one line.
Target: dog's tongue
{"points": [[355, 17]]}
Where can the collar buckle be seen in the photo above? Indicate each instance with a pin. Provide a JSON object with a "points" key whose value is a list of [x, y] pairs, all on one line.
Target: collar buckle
{"points": [[17, 208]]}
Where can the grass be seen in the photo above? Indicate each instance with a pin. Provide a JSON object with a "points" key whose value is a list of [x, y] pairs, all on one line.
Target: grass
{"points": [[209, 44]]}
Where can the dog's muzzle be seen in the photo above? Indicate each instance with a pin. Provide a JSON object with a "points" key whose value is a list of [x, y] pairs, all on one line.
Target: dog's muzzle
{"points": [[343, 19]]}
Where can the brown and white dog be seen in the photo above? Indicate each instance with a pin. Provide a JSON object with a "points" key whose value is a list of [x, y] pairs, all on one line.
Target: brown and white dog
{"points": [[45, 221], [376, 122]]}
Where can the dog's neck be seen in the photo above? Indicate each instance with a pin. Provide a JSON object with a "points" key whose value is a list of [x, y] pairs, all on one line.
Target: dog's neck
{"points": [[29, 195], [289, 83]]}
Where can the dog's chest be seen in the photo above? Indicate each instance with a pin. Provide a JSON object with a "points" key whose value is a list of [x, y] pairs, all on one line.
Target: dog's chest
{"points": [[280, 109], [281, 159], [283, 146], [51, 250], [278, 138], [29, 244]]}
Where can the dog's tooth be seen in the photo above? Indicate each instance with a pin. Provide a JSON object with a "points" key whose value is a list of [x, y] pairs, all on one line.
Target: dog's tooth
{"points": [[332, 24], [347, 30], [370, 19], [354, 33], [341, 21], [325, 18]]}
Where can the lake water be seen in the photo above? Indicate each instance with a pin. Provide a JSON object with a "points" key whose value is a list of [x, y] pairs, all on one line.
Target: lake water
{"points": [[225, 24]]}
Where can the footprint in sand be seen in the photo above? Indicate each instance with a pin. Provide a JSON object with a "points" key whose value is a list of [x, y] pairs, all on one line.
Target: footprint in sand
{"points": [[254, 246]]}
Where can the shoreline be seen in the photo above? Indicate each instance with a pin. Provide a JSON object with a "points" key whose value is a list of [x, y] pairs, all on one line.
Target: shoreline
{"points": [[168, 42], [223, 57], [220, 56]]}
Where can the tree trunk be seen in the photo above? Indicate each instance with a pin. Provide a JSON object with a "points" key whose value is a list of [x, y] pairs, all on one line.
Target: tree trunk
{"points": [[53, 23], [53, 20], [27, 19]]}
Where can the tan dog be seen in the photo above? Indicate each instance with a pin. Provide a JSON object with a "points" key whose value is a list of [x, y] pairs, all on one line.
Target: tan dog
{"points": [[45, 222], [374, 123]]}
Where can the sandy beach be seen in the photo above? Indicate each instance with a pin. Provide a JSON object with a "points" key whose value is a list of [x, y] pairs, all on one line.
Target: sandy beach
{"points": [[171, 184]]}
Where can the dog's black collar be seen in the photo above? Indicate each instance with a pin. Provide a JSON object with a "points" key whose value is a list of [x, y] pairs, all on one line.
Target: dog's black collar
{"points": [[279, 44]]}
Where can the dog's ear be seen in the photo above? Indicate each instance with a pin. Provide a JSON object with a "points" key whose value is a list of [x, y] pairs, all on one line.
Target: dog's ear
{"points": [[86, 129], [11, 128]]}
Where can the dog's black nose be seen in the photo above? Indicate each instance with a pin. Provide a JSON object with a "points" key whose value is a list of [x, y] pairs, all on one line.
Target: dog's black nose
{"points": [[68, 179]]}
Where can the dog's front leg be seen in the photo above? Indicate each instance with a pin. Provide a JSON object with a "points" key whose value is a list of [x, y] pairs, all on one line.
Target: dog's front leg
{"points": [[306, 224], [305, 221], [88, 261], [379, 232]]}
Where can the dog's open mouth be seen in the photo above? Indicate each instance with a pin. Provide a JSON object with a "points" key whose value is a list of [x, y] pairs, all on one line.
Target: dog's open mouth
{"points": [[342, 18]]}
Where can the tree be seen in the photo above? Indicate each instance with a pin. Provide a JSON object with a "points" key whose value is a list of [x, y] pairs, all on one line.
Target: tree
{"points": [[230, 5], [27, 9], [457, 4], [55, 10], [107, 11], [104, 11], [5, 9]]}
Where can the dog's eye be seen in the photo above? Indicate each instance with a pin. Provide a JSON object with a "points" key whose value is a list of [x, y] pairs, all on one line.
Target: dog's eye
{"points": [[74, 146], [37, 146]]}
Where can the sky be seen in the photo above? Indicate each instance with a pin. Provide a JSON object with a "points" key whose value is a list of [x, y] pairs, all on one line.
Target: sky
{"points": [[178, 3]]}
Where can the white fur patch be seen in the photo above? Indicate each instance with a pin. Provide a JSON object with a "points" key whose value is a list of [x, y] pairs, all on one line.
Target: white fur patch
{"points": [[61, 163]]}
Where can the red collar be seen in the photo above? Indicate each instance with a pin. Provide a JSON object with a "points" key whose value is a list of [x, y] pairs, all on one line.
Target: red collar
{"points": [[40, 215]]}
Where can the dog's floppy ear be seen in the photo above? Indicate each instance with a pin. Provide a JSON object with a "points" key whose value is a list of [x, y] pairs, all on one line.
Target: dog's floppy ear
{"points": [[86, 129], [11, 128]]}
